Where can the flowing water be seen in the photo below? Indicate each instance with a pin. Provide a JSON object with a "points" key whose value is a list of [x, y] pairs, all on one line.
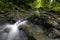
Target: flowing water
{"points": [[13, 31]]}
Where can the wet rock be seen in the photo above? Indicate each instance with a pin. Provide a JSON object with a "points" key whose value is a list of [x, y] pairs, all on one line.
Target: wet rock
{"points": [[54, 34], [48, 23], [47, 28]]}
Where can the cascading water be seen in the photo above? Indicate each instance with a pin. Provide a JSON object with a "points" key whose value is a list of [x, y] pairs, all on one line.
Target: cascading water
{"points": [[14, 31]]}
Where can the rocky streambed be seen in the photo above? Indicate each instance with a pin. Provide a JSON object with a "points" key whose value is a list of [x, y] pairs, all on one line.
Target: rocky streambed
{"points": [[40, 26]]}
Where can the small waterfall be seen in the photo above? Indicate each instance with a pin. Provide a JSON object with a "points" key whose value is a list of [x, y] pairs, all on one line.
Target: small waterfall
{"points": [[14, 31]]}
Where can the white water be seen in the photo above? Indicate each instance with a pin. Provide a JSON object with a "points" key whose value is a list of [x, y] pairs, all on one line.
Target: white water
{"points": [[14, 31]]}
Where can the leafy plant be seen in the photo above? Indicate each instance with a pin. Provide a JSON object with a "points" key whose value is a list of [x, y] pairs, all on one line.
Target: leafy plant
{"points": [[30, 4]]}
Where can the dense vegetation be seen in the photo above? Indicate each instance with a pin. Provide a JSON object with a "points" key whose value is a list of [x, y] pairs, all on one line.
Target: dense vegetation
{"points": [[30, 4]]}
